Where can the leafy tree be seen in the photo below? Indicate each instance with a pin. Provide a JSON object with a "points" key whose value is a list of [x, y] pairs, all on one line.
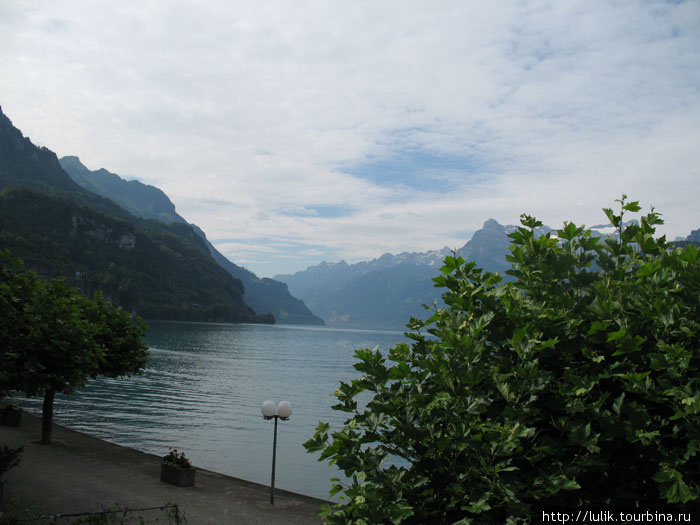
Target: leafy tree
{"points": [[16, 289], [57, 339], [576, 384]]}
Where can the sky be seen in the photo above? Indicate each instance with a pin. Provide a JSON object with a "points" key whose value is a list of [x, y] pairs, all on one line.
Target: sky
{"points": [[298, 132]]}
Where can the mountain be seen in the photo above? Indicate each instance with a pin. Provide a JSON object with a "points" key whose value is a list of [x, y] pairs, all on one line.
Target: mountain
{"points": [[381, 298], [58, 228], [265, 295], [692, 239], [489, 246], [22, 164], [327, 275], [142, 200], [387, 291]]}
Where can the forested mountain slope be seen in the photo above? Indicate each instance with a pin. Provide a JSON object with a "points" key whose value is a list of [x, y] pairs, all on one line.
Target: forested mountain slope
{"points": [[142, 200], [60, 229]]}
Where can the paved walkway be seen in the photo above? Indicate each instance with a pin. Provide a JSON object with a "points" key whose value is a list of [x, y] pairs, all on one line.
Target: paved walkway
{"points": [[81, 473]]}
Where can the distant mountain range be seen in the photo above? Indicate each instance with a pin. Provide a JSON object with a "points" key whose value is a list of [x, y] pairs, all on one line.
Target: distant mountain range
{"points": [[142, 200], [387, 291]]}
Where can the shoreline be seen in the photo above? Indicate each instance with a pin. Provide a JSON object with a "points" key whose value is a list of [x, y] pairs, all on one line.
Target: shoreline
{"points": [[80, 472], [35, 412]]}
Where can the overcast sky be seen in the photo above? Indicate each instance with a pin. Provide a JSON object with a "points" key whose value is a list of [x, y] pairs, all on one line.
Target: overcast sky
{"points": [[296, 132]]}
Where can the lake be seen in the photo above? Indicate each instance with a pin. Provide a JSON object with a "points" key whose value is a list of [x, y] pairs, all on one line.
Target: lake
{"points": [[202, 391]]}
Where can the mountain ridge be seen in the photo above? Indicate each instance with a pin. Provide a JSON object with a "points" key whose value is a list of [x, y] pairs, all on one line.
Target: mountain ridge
{"points": [[146, 201], [139, 199], [386, 291], [331, 288], [61, 229]]}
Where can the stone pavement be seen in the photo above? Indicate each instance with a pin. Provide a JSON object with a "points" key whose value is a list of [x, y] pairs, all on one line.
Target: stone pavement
{"points": [[82, 473]]}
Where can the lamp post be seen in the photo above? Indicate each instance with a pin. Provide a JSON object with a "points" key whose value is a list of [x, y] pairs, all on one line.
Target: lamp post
{"points": [[283, 411]]}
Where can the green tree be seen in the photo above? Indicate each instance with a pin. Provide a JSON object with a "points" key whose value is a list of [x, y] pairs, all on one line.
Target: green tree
{"points": [[56, 339], [576, 384], [17, 288]]}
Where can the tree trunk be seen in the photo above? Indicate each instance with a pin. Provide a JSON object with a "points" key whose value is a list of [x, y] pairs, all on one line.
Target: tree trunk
{"points": [[47, 417]]}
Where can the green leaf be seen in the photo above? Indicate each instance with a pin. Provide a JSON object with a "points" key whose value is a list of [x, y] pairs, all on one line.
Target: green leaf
{"points": [[648, 269], [580, 434], [617, 404], [570, 484], [617, 335], [614, 219], [632, 206], [478, 506]]}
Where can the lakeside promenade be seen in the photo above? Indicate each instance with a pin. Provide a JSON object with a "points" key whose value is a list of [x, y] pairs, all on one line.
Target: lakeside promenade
{"points": [[80, 473]]}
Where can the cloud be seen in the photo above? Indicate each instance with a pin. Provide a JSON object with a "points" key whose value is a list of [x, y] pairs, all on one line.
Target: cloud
{"points": [[365, 127]]}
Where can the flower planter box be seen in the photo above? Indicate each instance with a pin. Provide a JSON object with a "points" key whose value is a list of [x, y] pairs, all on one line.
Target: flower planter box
{"points": [[10, 418], [180, 477]]}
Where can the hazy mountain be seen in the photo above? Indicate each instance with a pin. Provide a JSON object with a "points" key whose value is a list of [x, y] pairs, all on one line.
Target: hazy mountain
{"points": [[22, 164], [325, 276], [142, 200], [692, 239], [61, 229], [488, 247], [265, 295], [387, 291]]}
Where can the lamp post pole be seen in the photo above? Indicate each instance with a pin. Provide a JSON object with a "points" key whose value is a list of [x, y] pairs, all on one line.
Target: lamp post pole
{"points": [[274, 457], [269, 411]]}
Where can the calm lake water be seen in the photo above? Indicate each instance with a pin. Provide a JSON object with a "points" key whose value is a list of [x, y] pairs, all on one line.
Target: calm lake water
{"points": [[202, 392]]}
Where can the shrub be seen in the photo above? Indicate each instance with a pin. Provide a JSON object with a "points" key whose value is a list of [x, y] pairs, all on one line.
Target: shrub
{"points": [[577, 384]]}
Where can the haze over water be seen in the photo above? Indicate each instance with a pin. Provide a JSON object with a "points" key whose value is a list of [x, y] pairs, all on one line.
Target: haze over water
{"points": [[202, 392]]}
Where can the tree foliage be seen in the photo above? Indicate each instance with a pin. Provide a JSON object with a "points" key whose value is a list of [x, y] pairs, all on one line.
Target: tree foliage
{"points": [[55, 339], [578, 383]]}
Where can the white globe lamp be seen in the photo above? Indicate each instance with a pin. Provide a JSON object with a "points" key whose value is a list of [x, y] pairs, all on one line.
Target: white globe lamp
{"points": [[268, 409], [284, 409]]}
